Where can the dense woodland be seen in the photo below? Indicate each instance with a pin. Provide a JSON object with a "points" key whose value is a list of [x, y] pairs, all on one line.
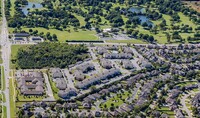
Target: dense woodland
{"points": [[64, 15], [50, 55]]}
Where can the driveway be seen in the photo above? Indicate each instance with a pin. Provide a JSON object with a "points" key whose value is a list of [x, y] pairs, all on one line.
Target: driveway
{"points": [[48, 90]]}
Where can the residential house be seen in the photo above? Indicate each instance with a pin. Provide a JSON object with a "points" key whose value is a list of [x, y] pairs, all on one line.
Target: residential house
{"points": [[107, 74], [61, 83], [56, 73], [87, 105], [79, 75], [118, 56], [101, 50], [127, 64], [66, 94], [127, 50], [105, 63], [179, 113], [85, 67]]}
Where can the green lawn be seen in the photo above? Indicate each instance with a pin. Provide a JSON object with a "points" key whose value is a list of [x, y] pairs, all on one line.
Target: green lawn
{"points": [[65, 35], [12, 9], [54, 88], [3, 97], [186, 20], [196, 90], [29, 98], [161, 37], [1, 60], [4, 112], [14, 50], [134, 41], [12, 101], [167, 18], [165, 109], [189, 106], [35, 1], [2, 79], [186, 83], [116, 100], [81, 19]]}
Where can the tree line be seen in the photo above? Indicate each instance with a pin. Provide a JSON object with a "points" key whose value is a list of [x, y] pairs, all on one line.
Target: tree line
{"points": [[50, 55]]}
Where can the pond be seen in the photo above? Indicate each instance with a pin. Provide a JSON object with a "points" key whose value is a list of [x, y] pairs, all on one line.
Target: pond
{"points": [[143, 18], [137, 10], [31, 5]]}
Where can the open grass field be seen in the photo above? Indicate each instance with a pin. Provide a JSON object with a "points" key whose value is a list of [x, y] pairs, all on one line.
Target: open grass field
{"points": [[165, 109], [14, 50], [65, 35], [186, 20], [160, 36]]}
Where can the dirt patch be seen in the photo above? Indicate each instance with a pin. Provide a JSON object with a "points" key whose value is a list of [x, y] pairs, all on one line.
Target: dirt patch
{"points": [[193, 4]]}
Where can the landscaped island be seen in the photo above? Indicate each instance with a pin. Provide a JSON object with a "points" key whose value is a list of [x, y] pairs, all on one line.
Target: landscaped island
{"points": [[50, 55]]}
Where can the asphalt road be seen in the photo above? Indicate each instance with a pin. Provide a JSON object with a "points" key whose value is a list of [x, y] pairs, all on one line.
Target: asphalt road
{"points": [[6, 50]]}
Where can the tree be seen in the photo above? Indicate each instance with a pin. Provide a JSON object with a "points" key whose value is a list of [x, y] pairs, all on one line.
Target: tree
{"points": [[168, 37], [35, 32], [93, 88], [150, 38], [144, 24], [155, 29], [88, 25], [30, 30], [55, 37], [50, 55], [105, 106]]}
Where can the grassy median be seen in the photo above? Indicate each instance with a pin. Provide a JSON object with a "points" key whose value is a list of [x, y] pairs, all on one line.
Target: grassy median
{"points": [[2, 79], [12, 99]]}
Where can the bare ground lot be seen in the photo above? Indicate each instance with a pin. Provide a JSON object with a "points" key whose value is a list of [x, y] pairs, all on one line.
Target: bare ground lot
{"points": [[193, 4]]}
